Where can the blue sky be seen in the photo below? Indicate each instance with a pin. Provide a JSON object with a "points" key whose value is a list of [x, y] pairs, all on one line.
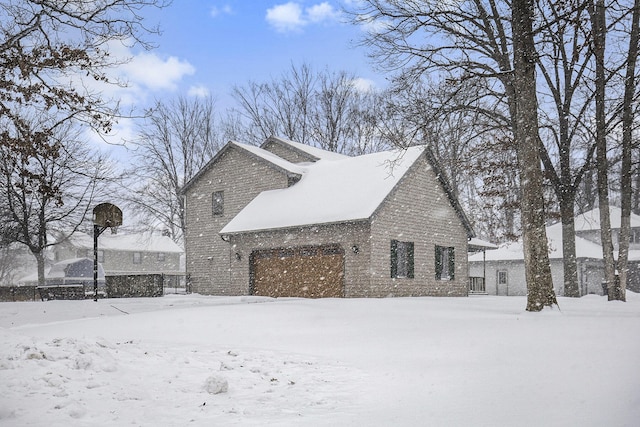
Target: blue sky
{"points": [[209, 46]]}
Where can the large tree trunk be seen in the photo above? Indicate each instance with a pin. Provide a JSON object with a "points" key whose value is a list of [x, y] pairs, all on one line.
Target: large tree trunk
{"points": [[599, 31], [625, 178], [571, 288], [40, 264], [540, 291]]}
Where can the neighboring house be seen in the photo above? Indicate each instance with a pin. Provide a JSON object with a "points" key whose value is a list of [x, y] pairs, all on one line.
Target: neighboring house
{"points": [[120, 254], [503, 268], [287, 219]]}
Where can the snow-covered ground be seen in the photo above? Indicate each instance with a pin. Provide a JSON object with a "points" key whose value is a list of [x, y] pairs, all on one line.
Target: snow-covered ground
{"points": [[188, 360]]}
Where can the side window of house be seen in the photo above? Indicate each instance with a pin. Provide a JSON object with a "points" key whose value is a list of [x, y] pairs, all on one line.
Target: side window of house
{"points": [[137, 258], [502, 277], [217, 200], [161, 257], [445, 263], [100, 256], [401, 259]]}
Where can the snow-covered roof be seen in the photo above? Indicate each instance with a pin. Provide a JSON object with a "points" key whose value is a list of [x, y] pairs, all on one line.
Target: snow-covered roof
{"points": [[68, 269], [330, 191], [591, 220], [584, 248], [476, 244], [136, 242], [317, 153]]}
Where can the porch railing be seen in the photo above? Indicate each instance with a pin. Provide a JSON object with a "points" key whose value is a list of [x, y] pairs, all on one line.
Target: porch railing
{"points": [[476, 285]]}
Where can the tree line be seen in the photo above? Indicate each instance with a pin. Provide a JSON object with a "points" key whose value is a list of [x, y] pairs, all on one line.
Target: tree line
{"points": [[528, 105]]}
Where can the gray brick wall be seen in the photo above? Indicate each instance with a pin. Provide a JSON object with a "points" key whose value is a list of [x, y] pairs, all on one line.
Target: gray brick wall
{"points": [[294, 156], [242, 177], [418, 211]]}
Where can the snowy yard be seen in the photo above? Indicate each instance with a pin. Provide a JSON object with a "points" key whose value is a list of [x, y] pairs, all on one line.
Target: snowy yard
{"points": [[217, 361]]}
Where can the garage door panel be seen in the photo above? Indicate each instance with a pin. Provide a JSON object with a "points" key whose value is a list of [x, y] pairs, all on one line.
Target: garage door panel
{"points": [[300, 272]]}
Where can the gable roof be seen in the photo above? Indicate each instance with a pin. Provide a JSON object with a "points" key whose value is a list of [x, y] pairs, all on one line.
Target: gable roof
{"points": [[312, 153], [584, 248], [331, 191], [590, 220], [284, 166]]}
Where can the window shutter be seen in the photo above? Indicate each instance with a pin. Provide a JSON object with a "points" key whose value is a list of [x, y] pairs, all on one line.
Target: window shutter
{"points": [[452, 263], [438, 262], [394, 258], [410, 260]]}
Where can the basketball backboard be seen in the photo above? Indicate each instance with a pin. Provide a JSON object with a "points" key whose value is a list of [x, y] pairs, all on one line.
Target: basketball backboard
{"points": [[107, 215]]}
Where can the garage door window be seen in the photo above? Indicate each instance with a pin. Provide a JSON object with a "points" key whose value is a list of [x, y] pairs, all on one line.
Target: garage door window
{"points": [[401, 259]]}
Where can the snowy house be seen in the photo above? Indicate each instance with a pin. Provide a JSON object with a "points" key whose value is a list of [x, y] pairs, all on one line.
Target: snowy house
{"points": [[135, 253], [287, 219], [503, 268]]}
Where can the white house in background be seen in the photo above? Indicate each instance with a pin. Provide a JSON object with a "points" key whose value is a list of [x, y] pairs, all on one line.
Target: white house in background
{"points": [[125, 254], [503, 268]]}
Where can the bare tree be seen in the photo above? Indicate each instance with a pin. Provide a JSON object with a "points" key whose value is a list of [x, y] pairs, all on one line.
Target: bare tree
{"points": [[46, 194], [536, 253], [599, 30], [177, 138], [50, 52], [628, 113], [325, 109], [564, 62]]}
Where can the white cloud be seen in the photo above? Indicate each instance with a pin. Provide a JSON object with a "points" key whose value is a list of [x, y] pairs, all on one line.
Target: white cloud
{"points": [[362, 84], [224, 10], [139, 77], [370, 25], [286, 17], [322, 12], [198, 91], [155, 73], [291, 17]]}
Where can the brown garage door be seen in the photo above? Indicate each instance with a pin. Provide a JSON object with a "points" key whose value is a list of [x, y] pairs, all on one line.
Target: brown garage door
{"points": [[306, 272]]}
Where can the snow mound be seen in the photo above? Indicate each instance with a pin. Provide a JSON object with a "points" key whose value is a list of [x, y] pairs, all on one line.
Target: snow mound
{"points": [[216, 385]]}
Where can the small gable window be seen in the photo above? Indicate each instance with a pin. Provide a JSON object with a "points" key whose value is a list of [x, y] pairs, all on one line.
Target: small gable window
{"points": [[401, 259], [137, 258], [445, 263], [161, 257], [217, 199]]}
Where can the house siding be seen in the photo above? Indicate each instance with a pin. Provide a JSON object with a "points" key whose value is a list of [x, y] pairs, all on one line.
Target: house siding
{"points": [[242, 177], [516, 281], [418, 211], [120, 261]]}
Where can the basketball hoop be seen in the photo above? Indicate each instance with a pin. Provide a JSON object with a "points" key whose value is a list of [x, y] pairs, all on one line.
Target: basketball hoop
{"points": [[105, 215]]}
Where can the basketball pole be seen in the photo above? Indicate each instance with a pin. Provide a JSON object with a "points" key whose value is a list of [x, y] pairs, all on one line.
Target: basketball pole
{"points": [[97, 231]]}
